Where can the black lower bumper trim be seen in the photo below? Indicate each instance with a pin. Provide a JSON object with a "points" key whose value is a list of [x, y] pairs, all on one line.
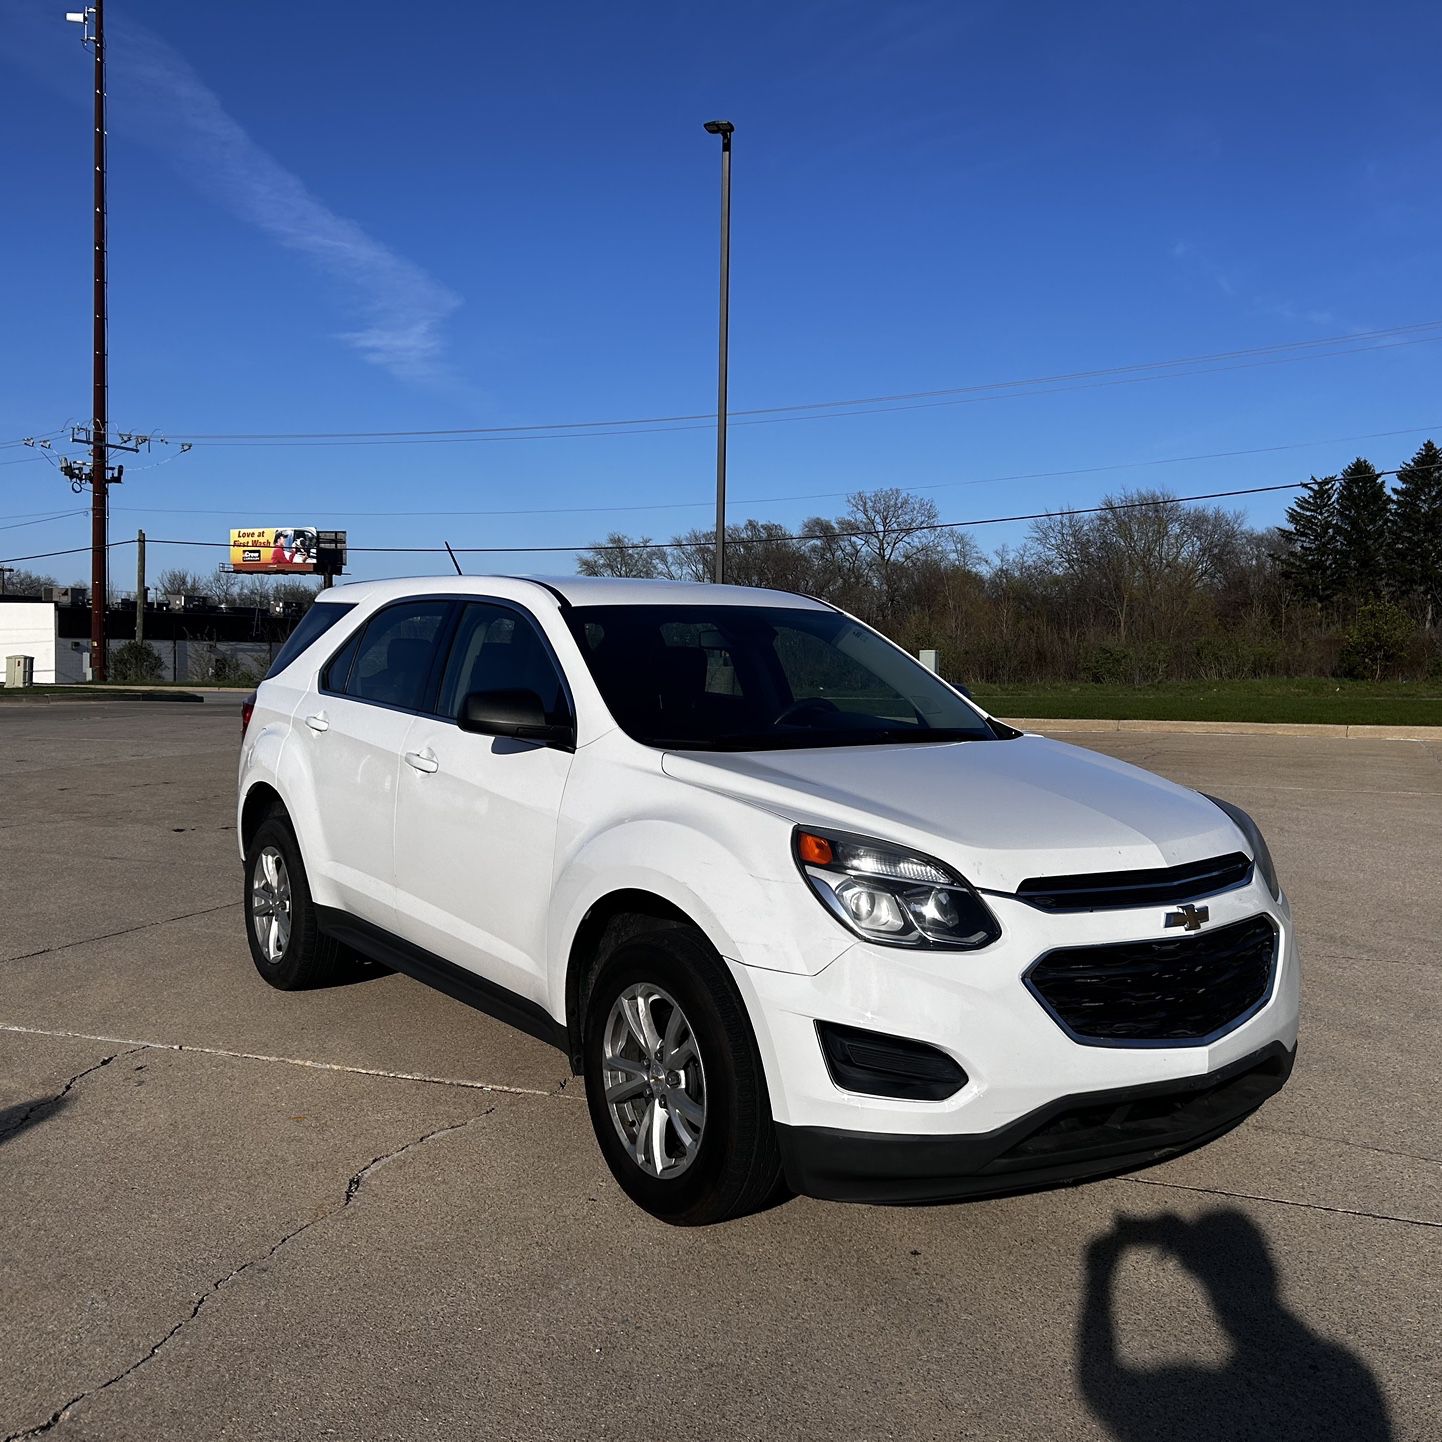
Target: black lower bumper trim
{"points": [[1072, 1139]]}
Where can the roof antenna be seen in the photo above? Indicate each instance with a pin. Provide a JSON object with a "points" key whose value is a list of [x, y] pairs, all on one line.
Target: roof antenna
{"points": [[452, 555]]}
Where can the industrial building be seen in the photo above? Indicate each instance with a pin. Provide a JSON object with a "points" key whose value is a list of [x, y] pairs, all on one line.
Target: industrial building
{"points": [[195, 639]]}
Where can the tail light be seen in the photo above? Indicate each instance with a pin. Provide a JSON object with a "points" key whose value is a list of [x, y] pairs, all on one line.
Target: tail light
{"points": [[246, 708]]}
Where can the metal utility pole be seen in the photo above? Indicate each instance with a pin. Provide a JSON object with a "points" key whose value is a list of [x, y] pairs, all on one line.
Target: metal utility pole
{"points": [[139, 587], [724, 129]]}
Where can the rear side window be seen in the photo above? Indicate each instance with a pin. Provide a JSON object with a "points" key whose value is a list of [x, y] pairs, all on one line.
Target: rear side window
{"points": [[336, 672], [393, 660], [311, 627]]}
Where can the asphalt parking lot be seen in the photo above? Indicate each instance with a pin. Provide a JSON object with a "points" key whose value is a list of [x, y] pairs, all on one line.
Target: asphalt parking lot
{"points": [[369, 1212]]}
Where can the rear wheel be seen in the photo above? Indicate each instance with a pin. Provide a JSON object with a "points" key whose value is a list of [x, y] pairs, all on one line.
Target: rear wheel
{"points": [[286, 943], [674, 1082]]}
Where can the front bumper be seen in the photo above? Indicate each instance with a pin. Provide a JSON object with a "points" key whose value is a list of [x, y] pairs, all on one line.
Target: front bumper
{"points": [[1072, 1139], [1024, 1069]]}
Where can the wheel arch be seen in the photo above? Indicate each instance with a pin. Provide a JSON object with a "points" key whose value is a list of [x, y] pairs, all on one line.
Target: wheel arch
{"points": [[260, 801], [608, 921]]}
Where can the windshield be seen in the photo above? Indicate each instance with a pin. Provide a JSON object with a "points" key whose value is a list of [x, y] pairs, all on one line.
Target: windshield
{"points": [[751, 678]]}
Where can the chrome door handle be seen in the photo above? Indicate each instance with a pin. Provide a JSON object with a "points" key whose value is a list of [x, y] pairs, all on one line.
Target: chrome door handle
{"points": [[318, 722], [422, 761]]}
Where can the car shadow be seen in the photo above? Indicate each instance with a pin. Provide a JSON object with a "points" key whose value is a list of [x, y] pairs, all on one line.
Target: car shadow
{"points": [[1282, 1382], [354, 970], [24, 1115]]}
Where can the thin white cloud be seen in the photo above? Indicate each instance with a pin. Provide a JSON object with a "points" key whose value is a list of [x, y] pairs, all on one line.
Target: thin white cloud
{"points": [[1193, 257], [157, 95], [403, 308], [1189, 254]]}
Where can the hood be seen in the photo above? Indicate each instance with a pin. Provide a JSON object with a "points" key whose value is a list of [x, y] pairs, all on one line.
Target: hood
{"points": [[999, 811]]}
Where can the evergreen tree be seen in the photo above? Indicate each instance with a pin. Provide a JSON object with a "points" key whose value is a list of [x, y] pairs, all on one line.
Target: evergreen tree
{"points": [[1364, 513], [1416, 549], [1308, 554]]}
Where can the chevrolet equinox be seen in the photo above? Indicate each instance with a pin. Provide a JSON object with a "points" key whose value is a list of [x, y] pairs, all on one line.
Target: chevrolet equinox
{"points": [[800, 912]]}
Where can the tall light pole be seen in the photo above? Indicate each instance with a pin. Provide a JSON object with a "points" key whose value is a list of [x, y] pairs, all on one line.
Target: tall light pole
{"points": [[723, 128]]}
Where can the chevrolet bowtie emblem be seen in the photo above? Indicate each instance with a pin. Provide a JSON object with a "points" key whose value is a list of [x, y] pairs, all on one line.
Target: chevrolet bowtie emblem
{"points": [[1189, 917]]}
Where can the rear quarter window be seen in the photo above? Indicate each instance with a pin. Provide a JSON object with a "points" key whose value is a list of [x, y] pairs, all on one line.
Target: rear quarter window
{"points": [[311, 627]]}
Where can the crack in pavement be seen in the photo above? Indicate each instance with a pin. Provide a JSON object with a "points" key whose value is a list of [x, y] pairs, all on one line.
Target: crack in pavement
{"points": [[1280, 1201], [1312, 954], [123, 931], [352, 1190], [180, 1046], [1348, 1142], [24, 1119]]}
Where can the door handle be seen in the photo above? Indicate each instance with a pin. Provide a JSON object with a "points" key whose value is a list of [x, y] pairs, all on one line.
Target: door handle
{"points": [[422, 761], [318, 722]]}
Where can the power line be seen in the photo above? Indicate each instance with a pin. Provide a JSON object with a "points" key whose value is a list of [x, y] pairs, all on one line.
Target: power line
{"points": [[841, 531], [463, 438], [41, 520], [1311, 349], [76, 551], [844, 531], [30, 440], [313, 510]]}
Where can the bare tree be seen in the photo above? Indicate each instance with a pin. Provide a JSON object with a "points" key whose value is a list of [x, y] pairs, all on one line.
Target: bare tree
{"points": [[690, 556], [758, 553], [294, 590], [835, 563], [178, 582], [620, 555], [762, 553], [252, 590], [888, 532], [1146, 561], [224, 586], [24, 583]]}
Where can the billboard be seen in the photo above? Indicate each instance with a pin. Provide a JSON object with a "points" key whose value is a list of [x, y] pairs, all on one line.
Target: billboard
{"points": [[274, 549]]}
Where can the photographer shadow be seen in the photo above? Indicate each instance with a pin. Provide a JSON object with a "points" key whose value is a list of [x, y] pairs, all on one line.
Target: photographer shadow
{"points": [[1282, 1382]]}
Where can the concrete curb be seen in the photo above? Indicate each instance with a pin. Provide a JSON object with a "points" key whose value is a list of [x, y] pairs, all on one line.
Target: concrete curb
{"points": [[64, 695], [1231, 728], [193, 690]]}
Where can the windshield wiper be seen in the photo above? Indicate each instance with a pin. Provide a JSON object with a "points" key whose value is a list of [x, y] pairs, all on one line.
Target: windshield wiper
{"points": [[889, 736], [817, 740]]}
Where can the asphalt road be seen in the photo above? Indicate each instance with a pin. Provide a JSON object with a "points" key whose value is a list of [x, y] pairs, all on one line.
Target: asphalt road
{"points": [[370, 1212]]}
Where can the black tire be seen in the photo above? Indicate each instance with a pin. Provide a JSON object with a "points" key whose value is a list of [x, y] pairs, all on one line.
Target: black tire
{"points": [[736, 1166], [308, 957]]}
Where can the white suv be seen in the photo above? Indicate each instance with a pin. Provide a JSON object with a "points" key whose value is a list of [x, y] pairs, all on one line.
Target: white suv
{"points": [[793, 906]]}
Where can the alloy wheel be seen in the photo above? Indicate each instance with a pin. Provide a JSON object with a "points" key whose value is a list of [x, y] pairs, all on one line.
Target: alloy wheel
{"points": [[654, 1079], [270, 913]]}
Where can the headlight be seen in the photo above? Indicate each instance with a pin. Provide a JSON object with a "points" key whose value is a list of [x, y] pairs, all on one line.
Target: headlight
{"points": [[1261, 856], [891, 895]]}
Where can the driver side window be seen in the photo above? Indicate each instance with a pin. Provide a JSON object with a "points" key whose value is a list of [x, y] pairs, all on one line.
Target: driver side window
{"points": [[497, 649]]}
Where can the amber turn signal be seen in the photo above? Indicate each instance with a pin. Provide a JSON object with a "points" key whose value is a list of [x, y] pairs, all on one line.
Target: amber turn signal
{"points": [[814, 849]]}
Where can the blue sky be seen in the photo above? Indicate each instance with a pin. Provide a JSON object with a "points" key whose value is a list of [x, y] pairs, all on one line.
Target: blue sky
{"points": [[400, 218]]}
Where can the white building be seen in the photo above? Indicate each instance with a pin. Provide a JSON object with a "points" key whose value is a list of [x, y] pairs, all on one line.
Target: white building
{"points": [[32, 628]]}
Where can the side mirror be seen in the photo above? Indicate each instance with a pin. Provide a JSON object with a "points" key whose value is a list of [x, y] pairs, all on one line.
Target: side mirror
{"points": [[519, 714]]}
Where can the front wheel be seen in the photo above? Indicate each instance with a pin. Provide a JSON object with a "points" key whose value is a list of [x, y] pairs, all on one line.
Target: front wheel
{"points": [[674, 1082]]}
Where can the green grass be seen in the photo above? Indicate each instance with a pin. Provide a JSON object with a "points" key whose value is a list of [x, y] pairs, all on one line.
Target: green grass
{"points": [[1300, 699]]}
